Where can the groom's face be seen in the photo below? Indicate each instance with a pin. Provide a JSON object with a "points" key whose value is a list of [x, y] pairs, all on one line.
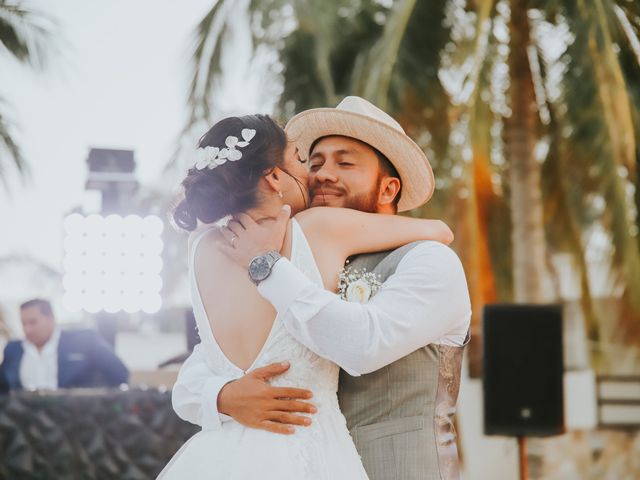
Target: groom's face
{"points": [[344, 172]]}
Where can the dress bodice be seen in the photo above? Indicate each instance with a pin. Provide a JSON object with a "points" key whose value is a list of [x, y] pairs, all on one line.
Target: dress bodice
{"points": [[307, 368]]}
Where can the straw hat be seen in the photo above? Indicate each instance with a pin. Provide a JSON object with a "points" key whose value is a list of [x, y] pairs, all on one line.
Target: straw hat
{"points": [[357, 118]]}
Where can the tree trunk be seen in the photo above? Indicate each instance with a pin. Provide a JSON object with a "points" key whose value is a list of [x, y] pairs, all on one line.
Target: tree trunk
{"points": [[526, 195], [479, 268]]}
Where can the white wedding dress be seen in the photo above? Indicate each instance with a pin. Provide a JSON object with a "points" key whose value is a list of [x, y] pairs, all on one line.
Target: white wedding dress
{"points": [[323, 450]]}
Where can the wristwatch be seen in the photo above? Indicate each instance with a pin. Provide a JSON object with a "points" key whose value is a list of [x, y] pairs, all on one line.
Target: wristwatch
{"points": [[260, 267]]}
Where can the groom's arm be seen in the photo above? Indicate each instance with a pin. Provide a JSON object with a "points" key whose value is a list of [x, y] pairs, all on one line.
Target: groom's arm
{"points": [[426, 301], [203, 398]]}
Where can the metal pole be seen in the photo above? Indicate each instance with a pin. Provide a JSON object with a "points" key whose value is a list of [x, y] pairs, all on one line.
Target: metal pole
{"points": [[522, 449]]}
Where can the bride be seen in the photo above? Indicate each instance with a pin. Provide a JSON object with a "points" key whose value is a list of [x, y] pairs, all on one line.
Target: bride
{"points": [[247, 166]]}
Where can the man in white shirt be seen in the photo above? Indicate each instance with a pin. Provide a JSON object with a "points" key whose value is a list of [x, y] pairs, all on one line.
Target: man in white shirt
{"points": [[402, 350], [49, 358], [39, 366]]}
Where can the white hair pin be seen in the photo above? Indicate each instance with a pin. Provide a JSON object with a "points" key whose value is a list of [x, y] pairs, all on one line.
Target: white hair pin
{"points": [[212, 157]]}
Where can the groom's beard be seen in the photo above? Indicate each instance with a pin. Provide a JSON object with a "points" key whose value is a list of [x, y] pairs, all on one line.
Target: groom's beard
{"points": [[365, 202]]}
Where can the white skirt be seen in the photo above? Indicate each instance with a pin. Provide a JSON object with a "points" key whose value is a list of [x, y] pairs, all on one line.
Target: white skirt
{"points": [[323, 451]]}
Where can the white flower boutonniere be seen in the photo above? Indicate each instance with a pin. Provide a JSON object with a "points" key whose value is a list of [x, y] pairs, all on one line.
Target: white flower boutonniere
{"points": [[358, 285]]}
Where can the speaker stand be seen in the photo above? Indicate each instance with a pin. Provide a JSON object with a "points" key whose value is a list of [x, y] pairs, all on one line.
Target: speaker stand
{"points": [[522, 450]]}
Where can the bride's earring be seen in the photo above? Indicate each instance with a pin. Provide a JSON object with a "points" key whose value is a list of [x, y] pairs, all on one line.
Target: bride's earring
{"points": [[280, 194]]}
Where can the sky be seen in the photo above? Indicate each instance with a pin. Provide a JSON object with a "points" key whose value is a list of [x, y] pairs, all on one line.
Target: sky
{"points": [[118, 78]]}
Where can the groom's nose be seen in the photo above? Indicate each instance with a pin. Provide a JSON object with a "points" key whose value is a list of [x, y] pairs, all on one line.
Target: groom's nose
{"points": [[324, 174]]}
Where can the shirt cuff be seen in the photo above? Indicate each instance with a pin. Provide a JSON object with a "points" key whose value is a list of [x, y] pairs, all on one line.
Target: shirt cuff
{"points": [[284, 285], [211, 418]]}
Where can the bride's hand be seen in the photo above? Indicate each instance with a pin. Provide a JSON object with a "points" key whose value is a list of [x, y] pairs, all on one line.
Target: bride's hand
{"points": [[245, 239], [254, 403]]}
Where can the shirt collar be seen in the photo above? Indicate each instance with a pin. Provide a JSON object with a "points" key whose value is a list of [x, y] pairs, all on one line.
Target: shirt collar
{"points": [[51, 345]]}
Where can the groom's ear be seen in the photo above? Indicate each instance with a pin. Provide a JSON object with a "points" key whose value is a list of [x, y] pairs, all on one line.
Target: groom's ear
{"points": [[388, 190]]}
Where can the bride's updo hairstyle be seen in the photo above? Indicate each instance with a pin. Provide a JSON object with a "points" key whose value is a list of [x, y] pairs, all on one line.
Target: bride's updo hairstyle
{"points": [[231, 188]]}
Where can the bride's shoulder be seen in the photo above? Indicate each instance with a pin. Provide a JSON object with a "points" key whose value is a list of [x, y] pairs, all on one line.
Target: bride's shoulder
{"points": [[209, 234]]}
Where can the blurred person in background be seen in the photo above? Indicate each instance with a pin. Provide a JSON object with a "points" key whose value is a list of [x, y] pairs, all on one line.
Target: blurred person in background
{"points": [[50, 358]]}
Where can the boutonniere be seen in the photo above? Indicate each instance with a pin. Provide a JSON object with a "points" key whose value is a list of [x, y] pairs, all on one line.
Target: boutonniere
{"points": [[358, 285]]}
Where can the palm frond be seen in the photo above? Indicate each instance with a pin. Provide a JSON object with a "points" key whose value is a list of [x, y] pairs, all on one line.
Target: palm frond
{"points": [[318, 59], [597, 149], [612, 86], [10, 150], [564, 228], [626, 34], [616, 105], [209, 44], [319, 20], [26, 35], [379, 63], [416, 94]]}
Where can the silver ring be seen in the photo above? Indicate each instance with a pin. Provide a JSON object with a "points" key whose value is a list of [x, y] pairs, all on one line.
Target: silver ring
{"points": [[233, 239]]}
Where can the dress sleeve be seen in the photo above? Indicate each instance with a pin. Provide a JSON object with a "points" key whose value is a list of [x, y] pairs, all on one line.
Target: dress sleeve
{"points": [[195, 393]]}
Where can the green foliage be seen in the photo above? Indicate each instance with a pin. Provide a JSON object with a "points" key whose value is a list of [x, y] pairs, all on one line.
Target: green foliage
{"points": [[408, 57], [25, 36]]}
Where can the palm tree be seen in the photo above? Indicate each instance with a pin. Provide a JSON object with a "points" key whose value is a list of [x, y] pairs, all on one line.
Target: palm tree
{"points": [[24, 35], [534, 147]]}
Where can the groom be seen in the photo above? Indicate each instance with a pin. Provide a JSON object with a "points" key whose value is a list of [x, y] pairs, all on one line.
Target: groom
{"points": [[401, 352]]}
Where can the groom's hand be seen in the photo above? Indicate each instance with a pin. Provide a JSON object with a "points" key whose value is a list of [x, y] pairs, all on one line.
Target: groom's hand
{"points": [[254, 403], [245, 239]]}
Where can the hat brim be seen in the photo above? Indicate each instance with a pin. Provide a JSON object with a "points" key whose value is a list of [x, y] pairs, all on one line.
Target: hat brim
{"points": [[406, 156]]}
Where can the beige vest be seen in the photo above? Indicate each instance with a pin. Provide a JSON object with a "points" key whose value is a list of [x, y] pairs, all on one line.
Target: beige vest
{"points": [[401, 416]]}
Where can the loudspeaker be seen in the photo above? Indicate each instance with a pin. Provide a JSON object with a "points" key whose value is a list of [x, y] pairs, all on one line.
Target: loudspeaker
{"points": [[523, 370]]}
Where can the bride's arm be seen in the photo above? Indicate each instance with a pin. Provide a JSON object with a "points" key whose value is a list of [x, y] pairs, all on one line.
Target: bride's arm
{"points": [[352, 231], [342, 231]]}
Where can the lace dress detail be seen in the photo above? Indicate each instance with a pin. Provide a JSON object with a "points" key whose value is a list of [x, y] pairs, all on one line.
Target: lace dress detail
{"points": [[321, 451]]}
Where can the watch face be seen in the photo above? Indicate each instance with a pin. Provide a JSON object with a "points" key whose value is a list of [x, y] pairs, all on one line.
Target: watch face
{"points": [[259, 268]]}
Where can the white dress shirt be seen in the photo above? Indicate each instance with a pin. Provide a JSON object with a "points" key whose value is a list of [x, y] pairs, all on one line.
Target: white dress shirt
{"points": [[425, 301], [39, 369]]}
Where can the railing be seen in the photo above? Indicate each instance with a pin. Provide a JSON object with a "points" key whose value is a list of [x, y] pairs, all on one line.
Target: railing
{"points": [[618, 401], [88, 434]]}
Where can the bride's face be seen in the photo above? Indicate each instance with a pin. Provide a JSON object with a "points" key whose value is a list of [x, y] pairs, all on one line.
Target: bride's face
{"points": [[295, 185]]}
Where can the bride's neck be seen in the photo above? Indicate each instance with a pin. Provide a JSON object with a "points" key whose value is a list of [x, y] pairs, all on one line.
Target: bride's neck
{"points": [[267, 210]]}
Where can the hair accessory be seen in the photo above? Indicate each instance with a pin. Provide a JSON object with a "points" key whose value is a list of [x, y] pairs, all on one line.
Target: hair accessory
{"points": [[212, 157]]}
